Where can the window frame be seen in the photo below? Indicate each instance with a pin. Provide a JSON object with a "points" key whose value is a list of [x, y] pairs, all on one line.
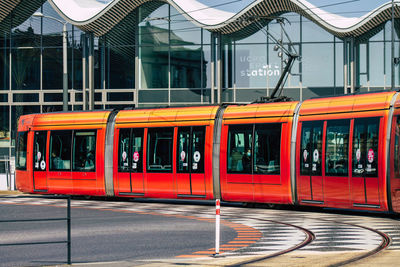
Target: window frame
{"points": [[51, 160], [73, 152], [44, 158], [130, 159], [338, 123], [18, 157], [250, 131], [151, 131], [363, 156]]}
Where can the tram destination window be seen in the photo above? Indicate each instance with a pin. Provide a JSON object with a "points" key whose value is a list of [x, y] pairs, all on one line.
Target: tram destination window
{"points": [[337, 148], [159, 149], [60, 150], [22, 140], [84, 151], [130, 153]]}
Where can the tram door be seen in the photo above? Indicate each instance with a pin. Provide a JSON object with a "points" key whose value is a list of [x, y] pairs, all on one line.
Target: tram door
{"points": [[190, 161], [40, 161], [311, 181], [364, 181], [130, 162]]}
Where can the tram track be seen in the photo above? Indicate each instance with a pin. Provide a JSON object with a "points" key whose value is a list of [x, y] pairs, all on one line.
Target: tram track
{"points": [[386, 241], [310, 237], [310, 234]]}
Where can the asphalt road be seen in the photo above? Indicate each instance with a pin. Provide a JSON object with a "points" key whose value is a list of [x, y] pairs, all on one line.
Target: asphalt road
{"points": [[100, 236]]}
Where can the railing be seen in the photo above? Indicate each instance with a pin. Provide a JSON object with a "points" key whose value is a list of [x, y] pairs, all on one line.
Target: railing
{"points": [[67, 219]]}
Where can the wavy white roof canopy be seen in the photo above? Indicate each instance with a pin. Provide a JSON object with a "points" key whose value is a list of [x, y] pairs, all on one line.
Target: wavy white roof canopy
{"points": [[100, 17]]}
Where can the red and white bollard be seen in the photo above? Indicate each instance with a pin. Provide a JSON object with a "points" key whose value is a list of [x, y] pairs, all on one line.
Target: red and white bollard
{"points": [[217, 225]]}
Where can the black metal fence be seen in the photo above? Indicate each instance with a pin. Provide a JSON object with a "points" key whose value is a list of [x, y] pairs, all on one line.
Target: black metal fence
{"points": [[67, 219]]}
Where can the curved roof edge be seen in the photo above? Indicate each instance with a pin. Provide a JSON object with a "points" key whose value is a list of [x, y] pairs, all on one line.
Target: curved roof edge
{"points": [[100, 18], [15, 12]]}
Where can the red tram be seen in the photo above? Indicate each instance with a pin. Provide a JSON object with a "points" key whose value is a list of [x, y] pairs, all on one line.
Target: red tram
{"points": [[341, 152]]}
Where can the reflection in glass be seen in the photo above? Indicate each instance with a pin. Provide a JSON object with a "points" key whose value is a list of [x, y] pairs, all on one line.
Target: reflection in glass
{"points": [[365, 147], [337, 147]]}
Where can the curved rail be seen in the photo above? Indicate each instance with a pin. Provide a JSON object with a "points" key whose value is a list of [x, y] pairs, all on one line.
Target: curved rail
{"points": [[386, 241], [310, 236]]}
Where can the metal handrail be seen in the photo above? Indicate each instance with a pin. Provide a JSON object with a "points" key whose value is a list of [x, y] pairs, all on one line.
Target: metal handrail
{"points": [[68, 219]]}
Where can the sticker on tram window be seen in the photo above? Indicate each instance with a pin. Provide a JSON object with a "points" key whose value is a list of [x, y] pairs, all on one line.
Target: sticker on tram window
{"points": [[371, 155], [183, 156], [306, 165], [360, 166], [43, 165], [305, 155], [194, 166], [36, 165], [136, 156], [314, 167], [124, 156], [39, 155], [315, 156], [134, 165], [196, 156], [358, 155], [185, 164]]}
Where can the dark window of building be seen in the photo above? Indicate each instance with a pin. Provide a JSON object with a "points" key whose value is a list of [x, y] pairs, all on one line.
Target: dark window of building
{"points": [[22, 140], [84, 151], [25, 69], [365, 147], [159, 149], [337, 148]]}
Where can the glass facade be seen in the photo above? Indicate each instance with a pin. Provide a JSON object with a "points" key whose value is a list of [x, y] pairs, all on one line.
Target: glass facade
{"points": [[157, 57]]}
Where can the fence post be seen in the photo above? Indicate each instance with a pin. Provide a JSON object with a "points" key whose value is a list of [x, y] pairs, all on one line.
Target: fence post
{"points": [[69, 229], [217, 226]]}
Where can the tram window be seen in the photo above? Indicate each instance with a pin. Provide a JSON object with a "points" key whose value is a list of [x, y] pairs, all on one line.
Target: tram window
{"points": [[159, 149], [190, 152], [22, 140], [84, 151], [240, 148], [365, 147], [124, 155], [198, 149], [397, 149], [183, 150], [311, 148], [137, 150], [267, 149], [39, 151], [60, 150], [337, 145]]}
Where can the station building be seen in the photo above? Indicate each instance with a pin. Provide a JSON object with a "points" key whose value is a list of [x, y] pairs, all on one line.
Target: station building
{"points": [[148, 53]]}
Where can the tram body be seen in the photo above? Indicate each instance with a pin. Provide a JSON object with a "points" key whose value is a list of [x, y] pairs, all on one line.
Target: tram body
{"points": [[341, 152]]}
